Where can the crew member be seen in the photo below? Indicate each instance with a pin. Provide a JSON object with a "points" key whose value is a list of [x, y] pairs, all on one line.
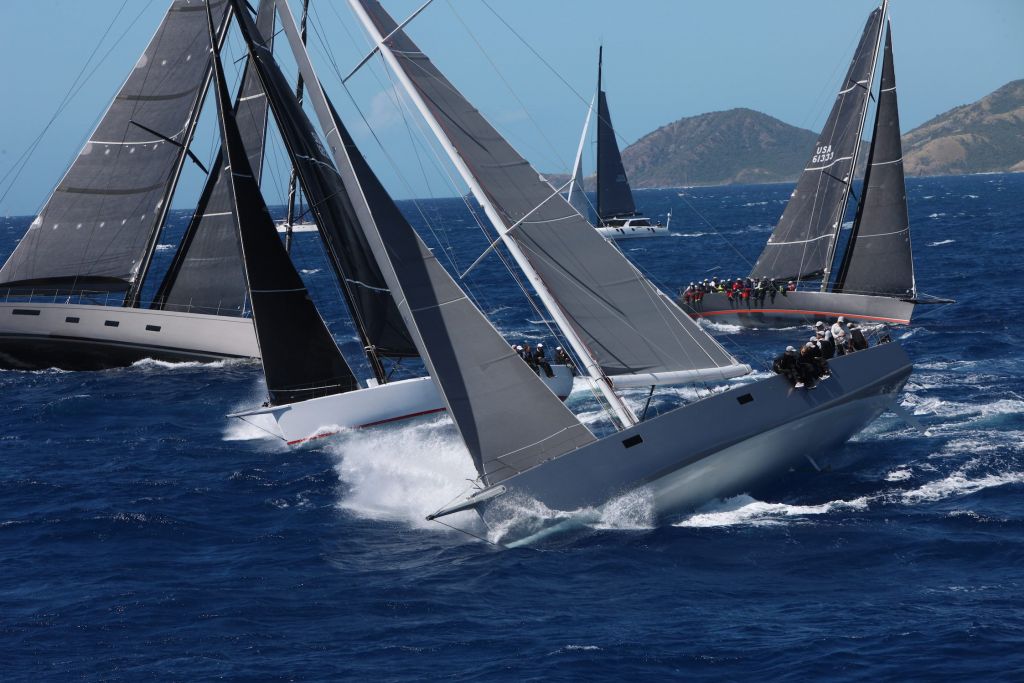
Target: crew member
{"points": [[839, 335], [785, 365], [857, 340], [541, 362]]}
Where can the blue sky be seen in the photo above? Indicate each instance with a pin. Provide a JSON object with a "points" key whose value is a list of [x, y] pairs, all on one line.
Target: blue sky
{"points": [[664, 59]]}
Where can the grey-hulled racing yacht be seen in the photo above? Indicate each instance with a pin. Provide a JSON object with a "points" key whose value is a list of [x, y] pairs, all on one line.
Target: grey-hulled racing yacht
{"points": [[874, 278], [525, 443], [71, 291]]}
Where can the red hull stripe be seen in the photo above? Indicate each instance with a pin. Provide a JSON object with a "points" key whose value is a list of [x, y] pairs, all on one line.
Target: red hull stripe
{"points": [[801, 312]]}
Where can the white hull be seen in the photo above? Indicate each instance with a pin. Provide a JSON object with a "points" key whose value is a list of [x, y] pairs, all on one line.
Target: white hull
{"points": [[632, 232], [297, 227], [317, 418], [85, 337]]}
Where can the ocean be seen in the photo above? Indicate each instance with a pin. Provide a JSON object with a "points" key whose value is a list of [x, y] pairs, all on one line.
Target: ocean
{"points": [[145, 536]]}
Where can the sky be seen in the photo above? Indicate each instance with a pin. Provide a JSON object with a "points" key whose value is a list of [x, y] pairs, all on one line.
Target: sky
{"points": [[528, 65]]}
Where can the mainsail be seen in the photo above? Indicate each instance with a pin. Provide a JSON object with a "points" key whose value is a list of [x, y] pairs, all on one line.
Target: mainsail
{"points": [[474, 367], [98, 229], [802, 245], [614, 198], [206, 274], [628, 327], [878, 257], [300, 358], [374, 311]]}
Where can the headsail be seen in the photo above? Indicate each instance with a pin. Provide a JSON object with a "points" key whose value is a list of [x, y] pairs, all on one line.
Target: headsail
{"points": [[802, 244], [373, 309], [206, 274], [300, 359], [509, 420], [577, 194], [878, 257], [626, 325], [614, 198], [98, 228]]}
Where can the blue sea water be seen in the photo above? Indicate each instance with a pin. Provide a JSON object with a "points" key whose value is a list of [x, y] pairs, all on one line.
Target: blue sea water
{"points": [[145, 536]]}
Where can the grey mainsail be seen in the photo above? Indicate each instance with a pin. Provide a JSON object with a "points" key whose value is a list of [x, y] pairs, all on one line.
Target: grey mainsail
{"points": [[614, 198], [509, 420], [878, 256], [802, 244], [98, 229], [627, 325], [206, 274], [374, 311], [300, 358]]}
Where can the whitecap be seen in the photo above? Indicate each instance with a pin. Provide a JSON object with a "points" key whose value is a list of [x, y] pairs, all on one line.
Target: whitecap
{"points": [[744, 510], [958, 484], [940, 243], [688, 234]]}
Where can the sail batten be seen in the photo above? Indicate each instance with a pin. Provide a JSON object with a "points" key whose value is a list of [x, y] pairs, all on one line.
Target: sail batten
{"points": [[283, 312], [878, 257], [101, 221], [624, 323], [206, 274], [801, 246], [473, 366], [374, 312]]}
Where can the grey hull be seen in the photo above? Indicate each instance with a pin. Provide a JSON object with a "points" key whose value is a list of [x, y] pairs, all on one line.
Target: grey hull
{"points": [[86, 337], [723, 445], [801, 307]]}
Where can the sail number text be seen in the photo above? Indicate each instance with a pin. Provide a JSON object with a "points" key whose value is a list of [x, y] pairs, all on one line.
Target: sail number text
{"points": [[822, 154]]}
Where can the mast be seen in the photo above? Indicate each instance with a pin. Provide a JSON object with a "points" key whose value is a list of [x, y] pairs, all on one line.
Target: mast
{"points": [[834, 240], [597, 377], [131, 298], [293, 177]]}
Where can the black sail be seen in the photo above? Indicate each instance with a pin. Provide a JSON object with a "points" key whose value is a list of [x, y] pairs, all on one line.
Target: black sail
{"points": [[878, 257], [801, 245], [300, 358], [98, 228], [614, 198], [377, 318], [206, 275]]}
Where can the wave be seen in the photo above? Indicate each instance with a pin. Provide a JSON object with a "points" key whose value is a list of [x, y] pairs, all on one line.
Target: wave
{"points": [[958, 484], [688, 234], [726, 328], [164, 247], [744, 510], [936, 215], [940, 243]]}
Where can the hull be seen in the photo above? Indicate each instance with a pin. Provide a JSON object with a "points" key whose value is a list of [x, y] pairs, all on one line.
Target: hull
{"points": [[632, 232], [721, 446], [82, 337], [801, 307], [317, 418]]}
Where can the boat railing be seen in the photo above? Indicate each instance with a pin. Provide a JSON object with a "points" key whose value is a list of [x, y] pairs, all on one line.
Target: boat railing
{"points": [[86, 297]]}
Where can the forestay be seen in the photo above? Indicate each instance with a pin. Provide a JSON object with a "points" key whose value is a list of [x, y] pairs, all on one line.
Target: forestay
{"points": [[801, 245], [627, 325], [878, 257], [206, 274], [614, 197], [508, 419], [372, 306], [98, 228], [300, 358]]}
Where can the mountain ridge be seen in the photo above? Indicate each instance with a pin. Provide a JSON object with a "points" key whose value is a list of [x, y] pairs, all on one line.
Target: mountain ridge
{"points": [[743, 145]]}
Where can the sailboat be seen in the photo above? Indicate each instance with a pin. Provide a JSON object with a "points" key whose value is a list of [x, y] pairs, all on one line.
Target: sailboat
{"points": [[314, 393], [875, 278], [523, 442], [617, 217], [71, 291]]}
